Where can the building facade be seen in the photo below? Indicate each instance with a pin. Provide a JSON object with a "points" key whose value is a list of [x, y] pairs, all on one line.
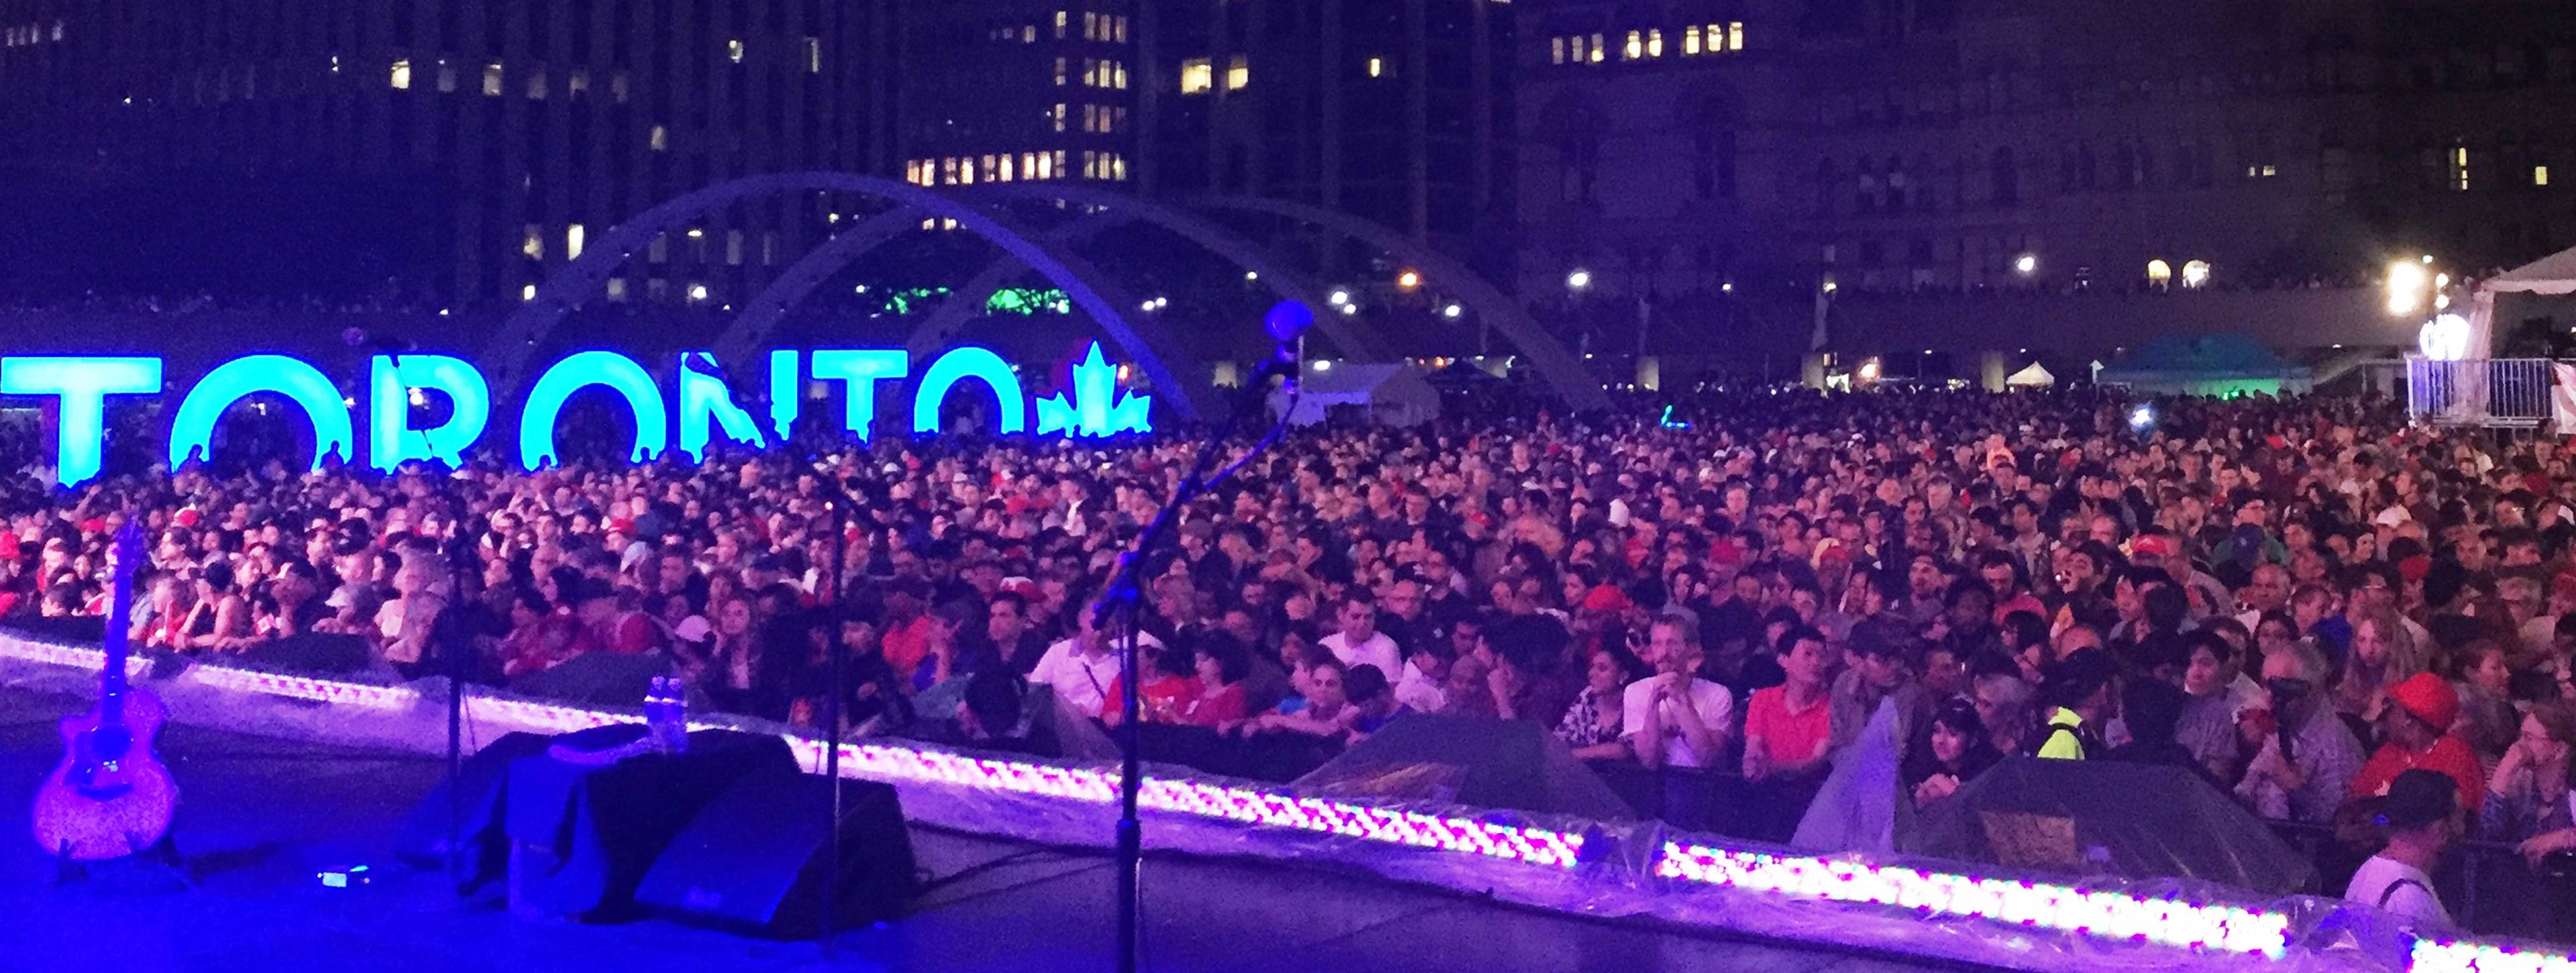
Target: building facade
{"points": [[1395, 111], [1017, 90], [464, 147], [1717, 151]]}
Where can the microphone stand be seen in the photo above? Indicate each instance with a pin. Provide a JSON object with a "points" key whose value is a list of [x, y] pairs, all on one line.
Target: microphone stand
{"points": [[835, 613], [1122, 596]]}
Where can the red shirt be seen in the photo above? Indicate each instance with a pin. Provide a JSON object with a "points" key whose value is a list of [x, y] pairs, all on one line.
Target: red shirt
{"points": [[906, 645], [630, 633], [1787, 738], [1213, 709], [1161, 700], [2449, 756]]}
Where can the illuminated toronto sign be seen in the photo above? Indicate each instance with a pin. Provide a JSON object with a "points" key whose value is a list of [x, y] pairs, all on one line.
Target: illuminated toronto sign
{"points": [[1092, 407]]}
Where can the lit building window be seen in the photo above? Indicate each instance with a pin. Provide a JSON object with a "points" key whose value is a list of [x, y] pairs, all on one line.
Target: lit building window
{"points": [[573, 240], [2540, 175], [948, 171], [577, 83], [527, 292], [1059, 117], [733, 51], [1060, 20], [1690, 40], [1556, 50], [1654, 43], [1121, 38], [988, 169], [1238, 73], [617, 87], [492, 80], [660, 139], [1198, 75], [1007, 168], [1636, 45], [1118, 167], [617, 289], [1121, 70], [446, 75], [1059, 62], [813, 55], [1596, 49], [1377, 67], [697, 292], [2195, 274], [2460, 168], [1734, 36], [532, 243], [2159, 273], [402, 75]]}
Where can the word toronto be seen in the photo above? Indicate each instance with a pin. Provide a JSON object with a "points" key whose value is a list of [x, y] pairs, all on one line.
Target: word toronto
{"points": [[80, 385]]}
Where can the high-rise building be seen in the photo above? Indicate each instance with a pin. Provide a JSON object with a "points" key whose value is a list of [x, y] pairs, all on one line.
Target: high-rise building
{"points": [[1014, 90], [439, 150], [1684, 147], [1395, 111]]}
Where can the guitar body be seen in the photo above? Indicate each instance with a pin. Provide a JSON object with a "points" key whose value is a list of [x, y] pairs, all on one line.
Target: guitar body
{"points": [[111, 796]]}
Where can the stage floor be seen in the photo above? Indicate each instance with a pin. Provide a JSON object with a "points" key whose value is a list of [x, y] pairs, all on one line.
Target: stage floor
{"points": [[261, 816]]}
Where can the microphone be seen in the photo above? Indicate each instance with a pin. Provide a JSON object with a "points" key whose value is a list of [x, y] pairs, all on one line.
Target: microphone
{"points": [[1286, 322]]}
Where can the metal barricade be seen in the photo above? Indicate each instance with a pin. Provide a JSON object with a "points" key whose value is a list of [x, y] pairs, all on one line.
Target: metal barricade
{"points": [[2505, 393]]}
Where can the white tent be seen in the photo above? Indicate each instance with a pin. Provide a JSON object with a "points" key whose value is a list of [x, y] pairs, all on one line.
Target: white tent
{"points": [[1390, 395], [2034, 377], [2550, 276]]}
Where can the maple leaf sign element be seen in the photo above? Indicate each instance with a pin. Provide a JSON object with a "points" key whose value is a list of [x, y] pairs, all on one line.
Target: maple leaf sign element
{"points": [[1098, 409]]}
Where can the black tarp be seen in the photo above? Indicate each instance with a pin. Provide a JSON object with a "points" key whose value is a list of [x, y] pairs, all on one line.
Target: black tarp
{"points": [[2098, 818], [1470, 761]]}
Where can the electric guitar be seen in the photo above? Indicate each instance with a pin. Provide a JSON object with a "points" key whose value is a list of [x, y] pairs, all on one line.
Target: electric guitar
{"points": [[110, 796]]}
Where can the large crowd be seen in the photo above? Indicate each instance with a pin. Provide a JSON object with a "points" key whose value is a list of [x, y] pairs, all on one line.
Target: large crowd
{"points": [[2305, 602]]}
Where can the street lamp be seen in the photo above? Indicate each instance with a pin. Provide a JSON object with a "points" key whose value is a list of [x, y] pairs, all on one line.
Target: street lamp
{"points": [[1452, 312], [1579, 280], [1408, 280], [1339, 298], [2026, 264]]}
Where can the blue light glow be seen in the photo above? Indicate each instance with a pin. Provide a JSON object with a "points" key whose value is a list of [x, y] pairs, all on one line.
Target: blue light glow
{"points": [[1097, 409], [194, 430], [976, 363], [861, 370], [621, 375], [704, 397], [391, 441], [81, 386], [784, 375]]}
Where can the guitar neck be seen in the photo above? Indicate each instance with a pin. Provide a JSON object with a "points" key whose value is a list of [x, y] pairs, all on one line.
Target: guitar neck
{"points": [[120, 622]]}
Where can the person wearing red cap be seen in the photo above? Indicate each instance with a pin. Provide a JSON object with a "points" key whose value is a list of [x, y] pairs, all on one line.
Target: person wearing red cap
{"points": [[2418, 721]]}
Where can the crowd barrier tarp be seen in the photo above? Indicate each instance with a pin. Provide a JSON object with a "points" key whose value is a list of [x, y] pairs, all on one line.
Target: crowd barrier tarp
{"points": [[1939, 909], [2082, 819], [1470, 761]]}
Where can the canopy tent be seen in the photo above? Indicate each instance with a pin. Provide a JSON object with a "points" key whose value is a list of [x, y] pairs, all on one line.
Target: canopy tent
{"points": [[1388, 394], [2080, 818], [2550, 276], [2034, 377], [2222, 366]]}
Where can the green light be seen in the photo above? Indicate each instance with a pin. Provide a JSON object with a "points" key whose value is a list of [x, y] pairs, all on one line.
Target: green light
{"points": [[1028, 301]]}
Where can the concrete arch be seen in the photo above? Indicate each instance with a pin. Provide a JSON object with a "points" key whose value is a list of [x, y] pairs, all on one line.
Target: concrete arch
{"points": [[1558, 366], [575, 282], [1115, 210]]}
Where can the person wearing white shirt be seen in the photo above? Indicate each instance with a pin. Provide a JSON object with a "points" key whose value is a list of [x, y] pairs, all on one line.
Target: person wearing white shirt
{"points": [[1674, 718], [1082, 668], [1359, 643], [2418, 813], [1423, 687]]}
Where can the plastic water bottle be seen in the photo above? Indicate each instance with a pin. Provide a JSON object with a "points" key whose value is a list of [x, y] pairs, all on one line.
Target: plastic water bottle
{"points": [[657, 712], [675, 716]]}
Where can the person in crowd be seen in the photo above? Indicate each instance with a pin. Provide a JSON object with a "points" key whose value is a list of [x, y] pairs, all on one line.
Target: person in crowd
{"points": [[2419, 815], [1358, 642], [1373, 704], [1171, 682], [1325, 709], [1952, 752], [1592, 725], [2417, 725], [1081, 667], [1221, 699], [2080, 690], [2527, 795], [2304, 753]]}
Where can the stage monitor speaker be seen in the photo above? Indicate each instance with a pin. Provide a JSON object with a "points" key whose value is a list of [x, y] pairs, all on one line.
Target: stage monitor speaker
{"points": [[423, 839], [753, 860]]}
